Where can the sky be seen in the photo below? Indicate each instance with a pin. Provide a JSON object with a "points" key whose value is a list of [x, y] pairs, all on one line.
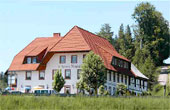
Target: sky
{"points": [[23, 21]]}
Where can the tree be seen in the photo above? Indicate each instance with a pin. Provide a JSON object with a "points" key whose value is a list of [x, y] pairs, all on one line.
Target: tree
{"points": [[121, 41], [3, 81], [106, 33], [129, 52], [149, 70], [125, 44], [101, 90], [93, 72], [58, 81], [121, 88], [153, 32]]}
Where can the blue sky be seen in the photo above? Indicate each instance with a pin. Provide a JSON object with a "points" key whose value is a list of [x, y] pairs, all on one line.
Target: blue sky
{"points": [[22, 22]]}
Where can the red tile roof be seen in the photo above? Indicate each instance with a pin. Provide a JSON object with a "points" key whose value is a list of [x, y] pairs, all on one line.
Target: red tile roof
{"points": [[76, 40], [33, 49]]}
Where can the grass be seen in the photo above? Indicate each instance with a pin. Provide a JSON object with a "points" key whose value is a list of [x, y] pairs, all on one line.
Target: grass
{"points": [[82, 103]]}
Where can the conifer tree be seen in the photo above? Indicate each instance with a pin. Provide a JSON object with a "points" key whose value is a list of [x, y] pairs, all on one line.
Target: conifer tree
{"points": [[106, 32]]}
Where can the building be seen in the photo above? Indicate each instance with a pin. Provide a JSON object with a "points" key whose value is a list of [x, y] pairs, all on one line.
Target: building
{"points": [[164, 77], [36, 64]]}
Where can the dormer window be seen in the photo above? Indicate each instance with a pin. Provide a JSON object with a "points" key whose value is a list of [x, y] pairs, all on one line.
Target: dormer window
{"points": [[31, 60], [34, 60], [28, 60]]}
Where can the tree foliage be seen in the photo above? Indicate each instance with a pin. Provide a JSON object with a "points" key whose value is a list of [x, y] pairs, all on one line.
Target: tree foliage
{"points": [[93, 72], [153, 32], [3, 81], [106, 33], [121, 88], [125, 45], [58, 81]]}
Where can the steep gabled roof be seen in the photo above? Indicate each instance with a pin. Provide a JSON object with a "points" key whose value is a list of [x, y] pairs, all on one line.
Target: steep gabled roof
{"points": [[72, 41], [78, 39], [33, 49]]}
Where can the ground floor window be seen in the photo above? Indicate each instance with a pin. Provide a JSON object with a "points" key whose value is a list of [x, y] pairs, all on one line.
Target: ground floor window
{"points": [[68, 74], [41, 75]]}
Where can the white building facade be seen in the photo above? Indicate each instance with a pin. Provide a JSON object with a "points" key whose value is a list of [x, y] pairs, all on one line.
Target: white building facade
{"points": [[32, 72]]}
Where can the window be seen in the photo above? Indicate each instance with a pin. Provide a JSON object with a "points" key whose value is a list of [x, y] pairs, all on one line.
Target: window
{"points": [[53, 73], [117, 77], [28, 75], [84, 56], [34, 60], [126, 79], [67, 74], [113, 76], [122, 78], [41, 75], [27, 89], [143, 84], [62, 59], [129, 81], [135, 82], [110, 90], [28, 60], [115, 61], [110, 76], [140, 83], [78, 73], [121, 63], [74, 59], [67, 89]]}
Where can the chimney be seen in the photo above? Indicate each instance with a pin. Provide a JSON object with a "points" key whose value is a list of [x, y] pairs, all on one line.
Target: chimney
{"points": [[56, 34]]}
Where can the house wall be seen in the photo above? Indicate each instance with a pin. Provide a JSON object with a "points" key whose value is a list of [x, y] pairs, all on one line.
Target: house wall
{"points": [[111, 84], [54, 63]]}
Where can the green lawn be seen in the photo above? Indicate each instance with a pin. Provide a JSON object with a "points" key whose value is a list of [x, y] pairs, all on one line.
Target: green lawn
{"points": [[82, 103]]}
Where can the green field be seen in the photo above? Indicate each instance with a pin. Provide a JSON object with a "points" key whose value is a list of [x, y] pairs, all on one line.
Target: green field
{"points": [[82, 103]]}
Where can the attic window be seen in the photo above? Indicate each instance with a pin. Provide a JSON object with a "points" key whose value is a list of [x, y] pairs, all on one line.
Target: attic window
{"points": [[28, 60], [31, 60], [34, 60]]}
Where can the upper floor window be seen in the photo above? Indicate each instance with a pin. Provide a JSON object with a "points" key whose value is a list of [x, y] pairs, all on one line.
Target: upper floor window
{"points": [[28, 60], [28, 75], [78, 73], [74, 59], [62, 59], [115, 61], [67, 74], [34, 60], [121, 63], [53, 73], [41, 75]]}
